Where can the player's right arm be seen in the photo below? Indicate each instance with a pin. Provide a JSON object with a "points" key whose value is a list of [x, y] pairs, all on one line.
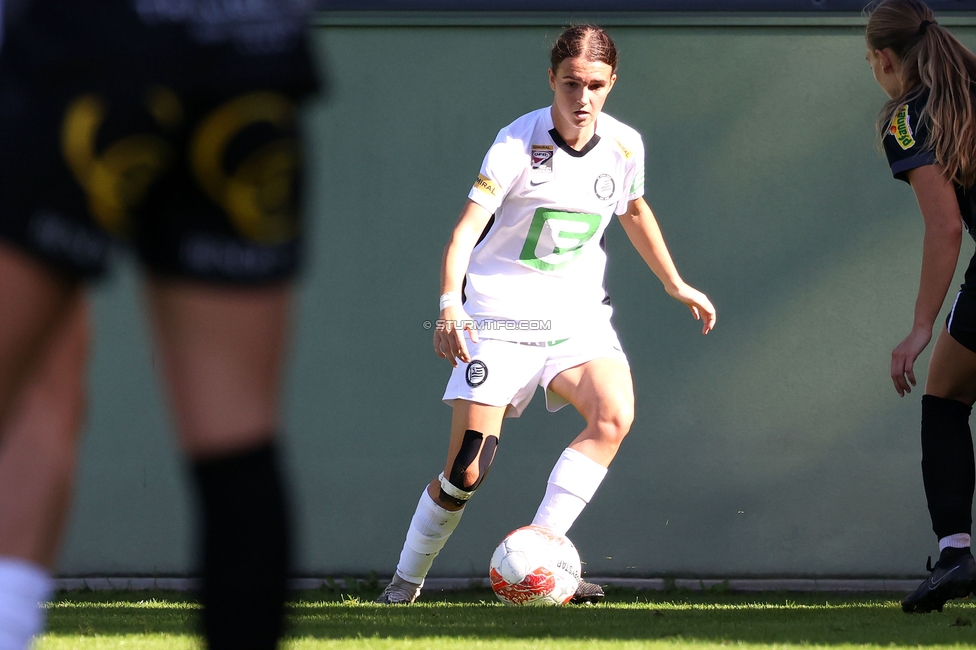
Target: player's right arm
{"points": [[940, 252], [449, 332], [501, 166]]}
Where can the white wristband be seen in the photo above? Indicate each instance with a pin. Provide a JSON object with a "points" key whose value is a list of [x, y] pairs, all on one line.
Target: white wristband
{"points": [[450, 299]]}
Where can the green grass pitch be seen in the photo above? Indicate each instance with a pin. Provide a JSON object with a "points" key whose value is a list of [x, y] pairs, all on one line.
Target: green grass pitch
{"points": [[475, 620]]}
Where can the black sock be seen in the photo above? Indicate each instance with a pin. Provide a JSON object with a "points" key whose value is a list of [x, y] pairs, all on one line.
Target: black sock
{"points": [[950, 554], [948, 468], [245, 549]]}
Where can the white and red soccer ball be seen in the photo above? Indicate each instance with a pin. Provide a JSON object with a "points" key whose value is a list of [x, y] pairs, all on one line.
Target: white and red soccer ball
{"points": [[535, 566]]}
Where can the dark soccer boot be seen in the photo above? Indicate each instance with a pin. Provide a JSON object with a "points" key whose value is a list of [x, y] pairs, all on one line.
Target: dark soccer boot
{"points": [[587, 592], [953, 576], [399, 592]]}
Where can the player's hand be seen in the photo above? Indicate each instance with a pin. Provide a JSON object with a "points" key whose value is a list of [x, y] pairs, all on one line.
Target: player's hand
{"points": [[903, 358], [449, 335], [699, 304]]}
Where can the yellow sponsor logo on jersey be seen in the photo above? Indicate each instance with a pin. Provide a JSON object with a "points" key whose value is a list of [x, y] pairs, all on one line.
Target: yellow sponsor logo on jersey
{"points": [[901, 128], [486, 185], [628, 154]]}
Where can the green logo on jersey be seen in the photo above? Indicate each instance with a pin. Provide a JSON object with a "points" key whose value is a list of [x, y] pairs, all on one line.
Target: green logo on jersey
{"points": [[556, 238], [638, 183]]}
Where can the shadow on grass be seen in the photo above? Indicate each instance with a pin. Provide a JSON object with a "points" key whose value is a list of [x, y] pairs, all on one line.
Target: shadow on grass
{"points": [[820, 619]]}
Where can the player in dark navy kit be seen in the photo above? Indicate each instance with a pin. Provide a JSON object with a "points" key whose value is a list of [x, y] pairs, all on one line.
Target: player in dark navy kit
{"points": [[171, 126], [929, 136]]}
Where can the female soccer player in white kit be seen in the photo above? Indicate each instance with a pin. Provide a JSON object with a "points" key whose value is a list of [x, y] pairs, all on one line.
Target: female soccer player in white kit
{"points": [[523, 275]]}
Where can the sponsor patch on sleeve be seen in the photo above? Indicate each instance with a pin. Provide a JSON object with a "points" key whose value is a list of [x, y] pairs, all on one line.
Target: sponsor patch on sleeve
{"points": [[486, 185], [901, 128], [628, 154]]}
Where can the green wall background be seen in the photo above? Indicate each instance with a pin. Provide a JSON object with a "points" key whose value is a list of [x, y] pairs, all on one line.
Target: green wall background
{"points": [[776, 446]]}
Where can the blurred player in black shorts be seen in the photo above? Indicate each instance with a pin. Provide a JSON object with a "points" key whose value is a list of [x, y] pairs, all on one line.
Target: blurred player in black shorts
{"points": [[169, 125]]}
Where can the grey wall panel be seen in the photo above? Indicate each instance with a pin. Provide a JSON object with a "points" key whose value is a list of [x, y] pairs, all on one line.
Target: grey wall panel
{"points": [[131, 510], [774, 446]]}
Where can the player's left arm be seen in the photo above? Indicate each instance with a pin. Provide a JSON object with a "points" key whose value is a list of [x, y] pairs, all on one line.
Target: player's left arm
{"points": [[940, 251], [644, 233]]}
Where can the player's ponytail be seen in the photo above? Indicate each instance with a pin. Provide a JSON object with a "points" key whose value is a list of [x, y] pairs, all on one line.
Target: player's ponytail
{"points": [[932, 60]]}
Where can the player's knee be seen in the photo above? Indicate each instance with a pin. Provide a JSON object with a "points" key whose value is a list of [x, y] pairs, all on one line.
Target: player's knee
{"points": [[613, 425], [469, 469], [473, 459], [469, 479]]}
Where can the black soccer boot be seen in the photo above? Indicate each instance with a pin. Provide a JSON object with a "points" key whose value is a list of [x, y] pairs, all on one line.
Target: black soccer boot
{"points": [[588, 593], [953, 576]]}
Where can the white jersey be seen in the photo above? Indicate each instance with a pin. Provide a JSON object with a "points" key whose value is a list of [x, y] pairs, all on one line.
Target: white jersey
{"points": [[537, 275]]}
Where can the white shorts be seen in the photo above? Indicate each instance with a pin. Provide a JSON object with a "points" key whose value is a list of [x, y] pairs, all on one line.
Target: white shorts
{"points": [[504, 373]]}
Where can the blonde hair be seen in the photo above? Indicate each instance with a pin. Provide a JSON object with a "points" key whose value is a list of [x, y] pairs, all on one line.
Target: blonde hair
{"points": [[932, 60]]}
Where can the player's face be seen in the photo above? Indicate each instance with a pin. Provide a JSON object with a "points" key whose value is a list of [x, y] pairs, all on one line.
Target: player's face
{"points": [[885, 66], [581, 87]]}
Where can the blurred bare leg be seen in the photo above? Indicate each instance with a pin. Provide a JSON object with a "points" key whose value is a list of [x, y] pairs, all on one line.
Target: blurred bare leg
{"points": [[38, 445], [33, 300], [42, 355], [222, 351]]}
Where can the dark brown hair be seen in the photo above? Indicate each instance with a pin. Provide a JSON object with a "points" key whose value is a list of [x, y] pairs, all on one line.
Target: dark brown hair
{"points": [[587, 41], [932, 60]]}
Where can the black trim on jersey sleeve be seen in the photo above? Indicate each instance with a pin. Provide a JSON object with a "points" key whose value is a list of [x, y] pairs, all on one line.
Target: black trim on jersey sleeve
{"points": [[900, 168], [907, 143], [484, 233], [606, 294], [587, 148], [481, 238]]}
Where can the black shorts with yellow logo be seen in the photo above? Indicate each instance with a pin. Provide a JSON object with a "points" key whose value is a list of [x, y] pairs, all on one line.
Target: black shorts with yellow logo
{"points": [[201, 185]]}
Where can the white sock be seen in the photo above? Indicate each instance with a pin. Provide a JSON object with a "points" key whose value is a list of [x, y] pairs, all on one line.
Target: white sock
{"points": [[429, 529], [959, 540], [24, 586], [572, 483]]}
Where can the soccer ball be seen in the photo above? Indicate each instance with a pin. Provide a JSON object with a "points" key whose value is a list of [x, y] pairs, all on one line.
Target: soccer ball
{"points": [[535, 566]]}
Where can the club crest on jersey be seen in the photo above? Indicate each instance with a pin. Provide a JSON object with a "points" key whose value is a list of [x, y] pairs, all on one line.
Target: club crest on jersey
{"points": [[486, 185], [542, 158], [476, 373], [901, 128], [604, 186]]}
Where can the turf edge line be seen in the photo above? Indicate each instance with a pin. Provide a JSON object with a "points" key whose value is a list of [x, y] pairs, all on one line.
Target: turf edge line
{"points": [[833, 585]]}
